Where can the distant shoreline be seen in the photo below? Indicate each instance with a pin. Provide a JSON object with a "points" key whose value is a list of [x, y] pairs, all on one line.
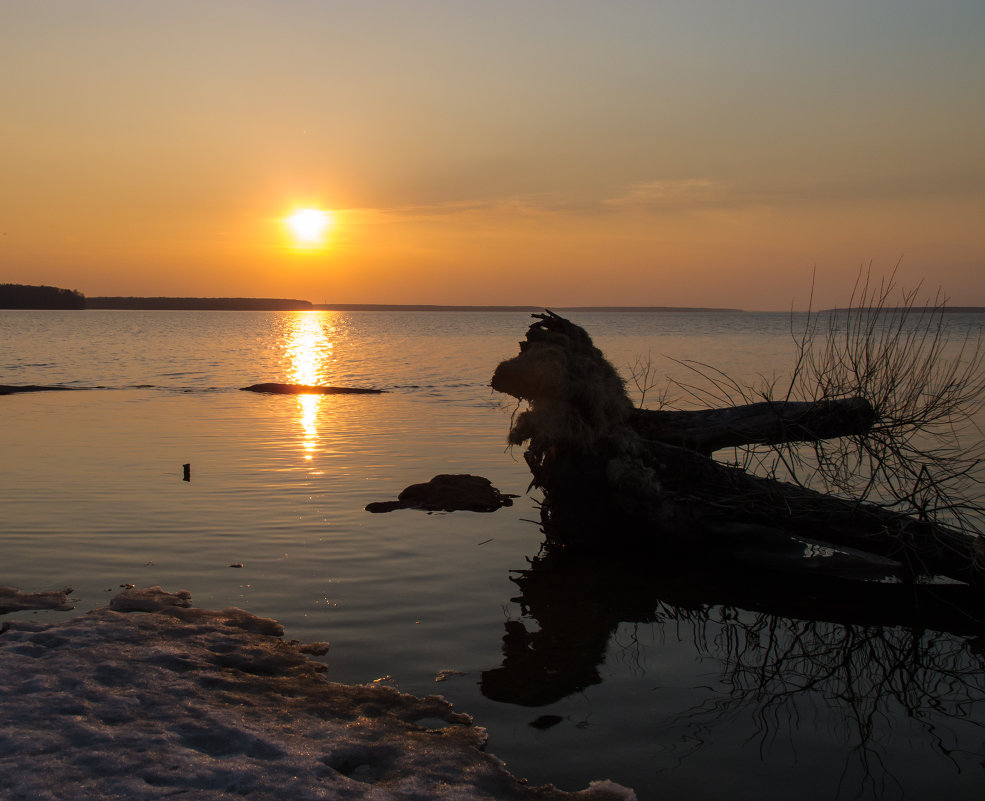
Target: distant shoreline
{"points": [[199, 304], [283, 304], [14, 296], [426, 307], [279, 304], [911, 310]]}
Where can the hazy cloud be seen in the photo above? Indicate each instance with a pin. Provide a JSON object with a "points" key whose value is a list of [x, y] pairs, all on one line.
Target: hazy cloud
{"points": [[671, 194]]}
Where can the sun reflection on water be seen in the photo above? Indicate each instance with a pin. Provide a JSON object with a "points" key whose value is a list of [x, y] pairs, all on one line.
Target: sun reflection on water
{"points": [[309, 343]]}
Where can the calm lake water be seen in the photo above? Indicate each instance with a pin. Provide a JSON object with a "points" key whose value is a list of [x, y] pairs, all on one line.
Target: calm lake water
{"points": [[679, 699]]}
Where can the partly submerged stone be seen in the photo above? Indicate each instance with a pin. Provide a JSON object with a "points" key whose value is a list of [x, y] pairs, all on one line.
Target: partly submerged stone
{"points": [[150, 599], [13, 600], [309, 389], [12, 389], [448, 493], [179, 605]]}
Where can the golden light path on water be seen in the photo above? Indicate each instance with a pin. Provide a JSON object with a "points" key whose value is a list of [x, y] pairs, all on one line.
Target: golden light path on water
{"points": [[309, 349]]}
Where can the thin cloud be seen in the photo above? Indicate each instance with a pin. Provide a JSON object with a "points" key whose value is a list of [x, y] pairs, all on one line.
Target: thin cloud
{"points": [[671, 194], [515, 206]]}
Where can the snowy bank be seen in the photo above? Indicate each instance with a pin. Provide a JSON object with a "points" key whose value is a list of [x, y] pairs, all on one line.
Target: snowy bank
{"points": [[152, 698]]}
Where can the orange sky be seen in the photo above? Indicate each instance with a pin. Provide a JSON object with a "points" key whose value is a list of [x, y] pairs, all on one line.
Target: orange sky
{"points": [[554, 153]]}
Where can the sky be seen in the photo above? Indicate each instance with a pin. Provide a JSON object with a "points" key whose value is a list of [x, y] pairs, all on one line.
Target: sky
{"points": [[544, 152]]}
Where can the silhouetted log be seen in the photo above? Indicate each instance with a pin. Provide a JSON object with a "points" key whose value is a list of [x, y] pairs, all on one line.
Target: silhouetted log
{"points": [[735, 509], [611, 482], [767, 422], [309, 389]]}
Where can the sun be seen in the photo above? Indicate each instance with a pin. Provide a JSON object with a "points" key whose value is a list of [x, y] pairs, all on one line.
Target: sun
{"points": [[309, 226]]}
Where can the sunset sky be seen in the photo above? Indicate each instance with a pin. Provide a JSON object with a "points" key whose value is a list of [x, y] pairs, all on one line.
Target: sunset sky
{"points": [[552, 152]]}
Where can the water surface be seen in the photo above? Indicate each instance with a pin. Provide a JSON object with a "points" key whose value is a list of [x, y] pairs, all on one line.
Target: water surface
{"points": [[675, 696]]}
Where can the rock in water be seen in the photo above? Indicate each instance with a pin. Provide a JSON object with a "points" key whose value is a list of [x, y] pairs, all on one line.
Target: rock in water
{"points": [[448, 493], [309, 389], [13, 600]]}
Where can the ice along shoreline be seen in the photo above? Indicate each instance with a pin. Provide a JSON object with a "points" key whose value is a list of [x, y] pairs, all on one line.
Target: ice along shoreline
{"points": [[152, 696]]}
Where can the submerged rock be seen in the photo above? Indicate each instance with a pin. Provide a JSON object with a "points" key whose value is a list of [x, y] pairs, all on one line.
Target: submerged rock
{"points": [[11, 389], [150, 599], [448, 493], [309, 389], [205, 704], [13, 600]]}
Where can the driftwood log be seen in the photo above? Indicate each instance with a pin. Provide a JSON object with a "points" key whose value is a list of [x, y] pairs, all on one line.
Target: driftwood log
{"points": [[615, 477], [710, 430]]}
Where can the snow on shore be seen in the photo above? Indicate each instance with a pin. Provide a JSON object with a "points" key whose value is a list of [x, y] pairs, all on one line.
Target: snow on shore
{"points": [[152, 698]]}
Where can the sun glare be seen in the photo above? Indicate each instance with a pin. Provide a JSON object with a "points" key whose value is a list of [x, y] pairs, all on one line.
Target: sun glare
{"points": [[309, 226], [309, 349]]}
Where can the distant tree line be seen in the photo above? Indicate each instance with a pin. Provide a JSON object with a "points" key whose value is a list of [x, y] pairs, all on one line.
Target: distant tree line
{"points": [[25, 296]]}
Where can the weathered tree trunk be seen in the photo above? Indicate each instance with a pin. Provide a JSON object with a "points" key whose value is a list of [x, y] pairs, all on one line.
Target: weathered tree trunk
{"points": [[767, 422], [616, 477]]}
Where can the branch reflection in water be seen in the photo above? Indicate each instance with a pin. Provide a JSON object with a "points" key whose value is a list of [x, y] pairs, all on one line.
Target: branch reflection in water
{"points": [[862, 661], [308, 341]]}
